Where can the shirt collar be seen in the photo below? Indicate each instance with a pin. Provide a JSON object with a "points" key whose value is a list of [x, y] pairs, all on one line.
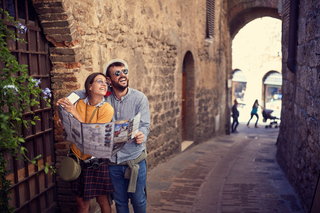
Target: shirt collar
{"points": [[103, 101], [123, 97]]}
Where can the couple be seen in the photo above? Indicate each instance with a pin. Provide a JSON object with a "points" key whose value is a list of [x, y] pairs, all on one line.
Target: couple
{"points": [[112, 175]]}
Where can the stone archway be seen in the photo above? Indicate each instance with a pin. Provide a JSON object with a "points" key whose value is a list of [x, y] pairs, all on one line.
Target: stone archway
{"points": [[242, 12]]}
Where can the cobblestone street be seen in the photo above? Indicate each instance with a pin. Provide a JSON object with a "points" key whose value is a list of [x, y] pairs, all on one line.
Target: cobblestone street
{"points": [[232, 173]]}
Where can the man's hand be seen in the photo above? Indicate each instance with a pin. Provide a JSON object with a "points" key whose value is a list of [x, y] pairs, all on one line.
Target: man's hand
{"points": [[139, 138]]}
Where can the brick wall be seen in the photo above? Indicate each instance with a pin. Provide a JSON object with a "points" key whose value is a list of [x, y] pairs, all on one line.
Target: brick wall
{"points": [[65, 54]]}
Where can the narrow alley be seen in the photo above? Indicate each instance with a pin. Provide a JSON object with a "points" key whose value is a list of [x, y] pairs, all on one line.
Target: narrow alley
{"points": [[188, 61], [232, 173]]}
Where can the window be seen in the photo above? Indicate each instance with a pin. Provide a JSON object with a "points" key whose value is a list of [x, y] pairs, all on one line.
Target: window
{"points": [[210, 19]]}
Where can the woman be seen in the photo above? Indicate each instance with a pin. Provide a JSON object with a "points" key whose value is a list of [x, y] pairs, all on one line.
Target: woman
{"points": [[92, 183], [254, 111]]}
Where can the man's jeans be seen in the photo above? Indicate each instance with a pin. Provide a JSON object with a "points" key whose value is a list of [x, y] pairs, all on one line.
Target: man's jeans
{"points": [[120, 185]]}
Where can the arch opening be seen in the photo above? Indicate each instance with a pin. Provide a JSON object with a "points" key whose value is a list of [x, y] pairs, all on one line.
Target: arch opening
{"points": [[188, 99]]}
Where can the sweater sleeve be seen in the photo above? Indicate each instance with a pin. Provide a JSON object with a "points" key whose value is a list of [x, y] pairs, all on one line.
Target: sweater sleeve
{"points": [[105, 113]]}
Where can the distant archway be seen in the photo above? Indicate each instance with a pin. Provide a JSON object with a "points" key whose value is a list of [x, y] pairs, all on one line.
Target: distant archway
{"points": [[244, 17], [188, 93], [241, 12]]}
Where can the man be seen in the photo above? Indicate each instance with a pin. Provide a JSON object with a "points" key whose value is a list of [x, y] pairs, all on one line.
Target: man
{"points": [[129, 162], [235, 115]]}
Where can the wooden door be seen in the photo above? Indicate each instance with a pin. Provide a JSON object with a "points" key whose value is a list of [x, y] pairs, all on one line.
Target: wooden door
{"points": [[32, 190]]}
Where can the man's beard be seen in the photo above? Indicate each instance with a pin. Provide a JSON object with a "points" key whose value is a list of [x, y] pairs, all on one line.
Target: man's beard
{"points": [[119, 87]]}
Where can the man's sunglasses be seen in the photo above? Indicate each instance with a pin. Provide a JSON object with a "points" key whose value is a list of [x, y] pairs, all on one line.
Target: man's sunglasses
{"points": [[118, 72]]}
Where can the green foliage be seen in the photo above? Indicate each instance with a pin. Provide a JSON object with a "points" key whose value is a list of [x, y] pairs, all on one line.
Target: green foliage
{"points": [[18, 92]]}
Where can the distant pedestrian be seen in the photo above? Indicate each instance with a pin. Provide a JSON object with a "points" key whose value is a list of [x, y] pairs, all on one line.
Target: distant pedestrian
{"points": [[254, 111], [235, 116]]}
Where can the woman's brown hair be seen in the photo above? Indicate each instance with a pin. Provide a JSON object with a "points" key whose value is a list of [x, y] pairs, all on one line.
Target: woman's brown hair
{"points": [[90, 80]]}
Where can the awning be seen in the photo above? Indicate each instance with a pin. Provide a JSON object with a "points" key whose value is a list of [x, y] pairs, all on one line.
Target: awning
{"points": [[239, 76], [274, 79]]}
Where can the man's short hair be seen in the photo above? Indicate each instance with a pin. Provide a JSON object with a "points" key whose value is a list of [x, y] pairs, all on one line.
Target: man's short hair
{"points": [[112, 63]]}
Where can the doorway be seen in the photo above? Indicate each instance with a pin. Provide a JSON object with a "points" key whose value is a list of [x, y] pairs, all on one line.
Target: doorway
{"points": [[188, 97]]}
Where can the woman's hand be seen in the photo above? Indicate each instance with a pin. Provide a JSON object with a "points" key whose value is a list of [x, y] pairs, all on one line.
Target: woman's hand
{"points": [[66, 103]]}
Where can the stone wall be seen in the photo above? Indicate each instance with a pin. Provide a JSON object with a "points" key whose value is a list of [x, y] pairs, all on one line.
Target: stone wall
{"points": [[153, 37], [298, 142]]}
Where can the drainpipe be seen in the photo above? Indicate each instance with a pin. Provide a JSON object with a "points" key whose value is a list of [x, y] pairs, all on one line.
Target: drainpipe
{"points": [[293, 34]]}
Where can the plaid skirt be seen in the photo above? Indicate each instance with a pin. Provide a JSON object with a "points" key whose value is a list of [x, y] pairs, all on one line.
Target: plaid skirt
{"points": [[92, 182]]}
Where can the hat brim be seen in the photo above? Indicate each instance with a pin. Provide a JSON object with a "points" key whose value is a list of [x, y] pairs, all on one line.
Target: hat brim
{"points": [[115, 61]]}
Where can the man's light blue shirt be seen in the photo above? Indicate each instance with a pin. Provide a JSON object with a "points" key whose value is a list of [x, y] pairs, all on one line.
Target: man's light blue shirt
{"points": [[129, 106]]}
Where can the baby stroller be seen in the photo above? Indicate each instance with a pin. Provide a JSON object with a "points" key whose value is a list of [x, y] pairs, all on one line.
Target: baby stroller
{"points": [[266, 113]]}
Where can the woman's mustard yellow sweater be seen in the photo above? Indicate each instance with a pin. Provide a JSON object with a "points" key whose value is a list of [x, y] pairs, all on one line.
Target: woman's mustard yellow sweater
{"points": [[102, 115]]}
